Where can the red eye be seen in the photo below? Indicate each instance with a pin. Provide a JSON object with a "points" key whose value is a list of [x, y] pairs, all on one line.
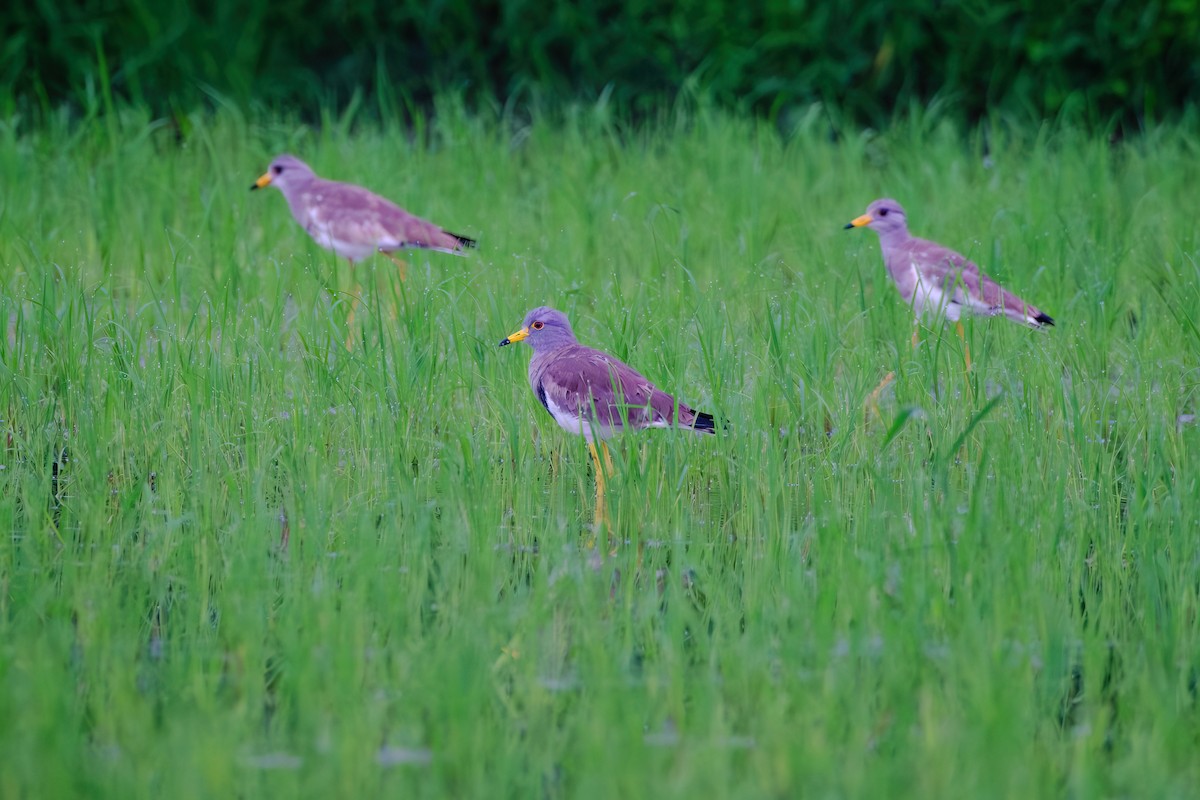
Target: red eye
{"points": [[537, 326]]}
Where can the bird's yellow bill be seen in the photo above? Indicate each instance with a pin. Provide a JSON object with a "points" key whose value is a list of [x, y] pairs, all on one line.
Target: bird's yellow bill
{"points": [[513, 338], [263, 181], [857, 222]]}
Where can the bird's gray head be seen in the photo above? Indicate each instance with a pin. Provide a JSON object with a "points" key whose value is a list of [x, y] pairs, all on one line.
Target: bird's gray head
{"points": [[545, 329], [883, 216], [285, 172]]}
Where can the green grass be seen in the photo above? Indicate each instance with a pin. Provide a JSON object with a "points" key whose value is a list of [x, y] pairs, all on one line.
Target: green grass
{"points": [[992, 589]]}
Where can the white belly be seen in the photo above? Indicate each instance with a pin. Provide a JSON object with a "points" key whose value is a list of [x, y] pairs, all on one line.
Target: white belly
{"points": [[355, 251], [576, 423], [931, 302], [323, 234]]}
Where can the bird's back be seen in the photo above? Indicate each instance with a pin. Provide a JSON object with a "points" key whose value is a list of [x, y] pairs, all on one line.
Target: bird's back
{"points": [[592, 384], [353, 218], [955, 279]]}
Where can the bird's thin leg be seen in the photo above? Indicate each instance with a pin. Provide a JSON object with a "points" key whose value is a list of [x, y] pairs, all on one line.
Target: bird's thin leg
{"points": [[872, 403], [873, 398], [962, 334], [401, 263], [355, 298], [601, 514], [970, 389], [612, 540]]}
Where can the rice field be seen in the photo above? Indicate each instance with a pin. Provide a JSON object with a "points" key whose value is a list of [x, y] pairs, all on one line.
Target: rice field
{"points": [[242, 560]]}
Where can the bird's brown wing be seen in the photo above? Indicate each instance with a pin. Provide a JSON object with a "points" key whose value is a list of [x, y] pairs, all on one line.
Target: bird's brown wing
{"points": [[966, 284], [353, 213], [592, 385]]}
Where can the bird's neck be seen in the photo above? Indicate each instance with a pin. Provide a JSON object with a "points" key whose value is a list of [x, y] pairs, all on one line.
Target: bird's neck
{"points": [[895, 237]]}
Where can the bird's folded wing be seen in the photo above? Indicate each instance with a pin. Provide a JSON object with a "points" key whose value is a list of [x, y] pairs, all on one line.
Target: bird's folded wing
{"points": [[352, 213], [973, 288], [960, 278], [591, 385]]}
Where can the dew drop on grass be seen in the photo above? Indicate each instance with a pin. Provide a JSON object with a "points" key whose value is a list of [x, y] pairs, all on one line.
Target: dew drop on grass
{"points": [[273, 761], [392, 756], [666, 736]]}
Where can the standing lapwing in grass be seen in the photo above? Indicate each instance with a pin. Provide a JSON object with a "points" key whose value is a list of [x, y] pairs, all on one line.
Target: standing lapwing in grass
{"points": [[937, 281], [592, 394], [354, 222]]}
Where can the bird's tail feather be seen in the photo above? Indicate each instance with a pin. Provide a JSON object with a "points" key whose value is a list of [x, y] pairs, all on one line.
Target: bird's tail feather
{"points": [[704, 423], [463, 241]]}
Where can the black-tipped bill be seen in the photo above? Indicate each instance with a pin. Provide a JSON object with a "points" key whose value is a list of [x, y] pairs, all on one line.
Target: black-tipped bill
{"points": [[513, 338]]}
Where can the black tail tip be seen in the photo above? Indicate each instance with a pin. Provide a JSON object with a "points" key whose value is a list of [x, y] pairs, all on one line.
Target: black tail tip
{"points": [[464, 241], [1044, 319], [706, 423]]}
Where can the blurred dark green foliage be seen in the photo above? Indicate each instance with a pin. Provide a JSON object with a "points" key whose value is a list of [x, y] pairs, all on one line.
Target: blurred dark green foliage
{"points": [[1106, 59]]}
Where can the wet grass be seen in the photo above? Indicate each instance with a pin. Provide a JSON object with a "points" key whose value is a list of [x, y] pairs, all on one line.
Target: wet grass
{"points": [[240, 560]]}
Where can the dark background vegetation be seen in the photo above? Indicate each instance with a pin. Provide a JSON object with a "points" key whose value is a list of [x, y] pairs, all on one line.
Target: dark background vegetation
{"points": [[1103, 61]]}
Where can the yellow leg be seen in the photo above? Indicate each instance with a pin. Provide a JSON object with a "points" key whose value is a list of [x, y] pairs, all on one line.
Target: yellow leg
{"points": [[962, 334], [612, 540], [403, 266], [355, 299], [873, 398], [601, 513], [401, 263]]}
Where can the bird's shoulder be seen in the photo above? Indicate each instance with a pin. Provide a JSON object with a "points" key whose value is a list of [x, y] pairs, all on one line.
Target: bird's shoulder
{"points": [[936, 261], [336, 199], [578, 369]]}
